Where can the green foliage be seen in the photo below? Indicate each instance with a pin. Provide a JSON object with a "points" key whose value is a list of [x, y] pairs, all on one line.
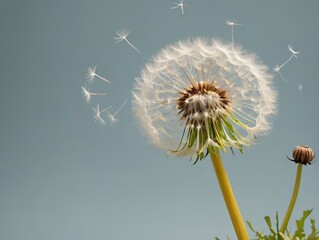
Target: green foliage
{"points": [[299, 233]]}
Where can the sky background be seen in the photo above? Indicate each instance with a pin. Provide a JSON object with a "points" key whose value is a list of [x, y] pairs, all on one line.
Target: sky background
{"points": [[64, 176]]}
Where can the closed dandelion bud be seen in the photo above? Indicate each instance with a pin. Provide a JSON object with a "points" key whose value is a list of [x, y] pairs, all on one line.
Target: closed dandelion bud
{"points": [[303, 155]]}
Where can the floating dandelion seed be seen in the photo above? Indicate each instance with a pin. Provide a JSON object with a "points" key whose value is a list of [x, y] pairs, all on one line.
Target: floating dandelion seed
{"points": [[278, 67], [201, 95], [122, 35], [179, 5], [91, 74], [300, 87], [232, 24], [112, 116], [97, 114], [87, 94]]}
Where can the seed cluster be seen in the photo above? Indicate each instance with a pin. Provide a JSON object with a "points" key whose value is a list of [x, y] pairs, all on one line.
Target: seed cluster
{"points": [[202, 99]]}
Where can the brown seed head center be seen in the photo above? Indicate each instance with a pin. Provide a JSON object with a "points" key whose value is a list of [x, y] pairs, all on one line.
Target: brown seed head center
{"points": [[200, 100]]}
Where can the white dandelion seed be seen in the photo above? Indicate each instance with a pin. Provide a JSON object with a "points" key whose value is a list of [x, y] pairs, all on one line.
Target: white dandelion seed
{"points": [[300, 87], [204, 94], [232, 24], [112, 116], [97, 114], [122, 35], [277, 68], [87, 94], [91, 74], [179, 5]]}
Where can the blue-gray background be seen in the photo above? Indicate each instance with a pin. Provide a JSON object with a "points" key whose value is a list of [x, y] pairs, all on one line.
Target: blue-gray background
{"points": [[62, 176]]}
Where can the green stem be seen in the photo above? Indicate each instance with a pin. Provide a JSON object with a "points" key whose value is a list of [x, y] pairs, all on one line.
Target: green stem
{"points": [[229, 196], [292, 200]]}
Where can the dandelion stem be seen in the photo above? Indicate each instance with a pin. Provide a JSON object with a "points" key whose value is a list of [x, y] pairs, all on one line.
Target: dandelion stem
{"points": [[292, 200], [229, 196]]}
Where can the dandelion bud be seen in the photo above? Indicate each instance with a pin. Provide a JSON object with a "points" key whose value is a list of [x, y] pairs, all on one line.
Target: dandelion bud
{"points": [[303, 155]]}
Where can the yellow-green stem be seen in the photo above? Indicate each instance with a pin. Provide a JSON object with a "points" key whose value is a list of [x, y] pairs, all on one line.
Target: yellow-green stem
{"points": [[229, 196], [292, 200]]}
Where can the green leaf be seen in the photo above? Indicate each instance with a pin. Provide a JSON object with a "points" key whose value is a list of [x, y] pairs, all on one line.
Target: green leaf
{"points": [[300, 233], [314, 232], [285, 237], [277, 223], [251, 227], [259, 235], [268, 221]]}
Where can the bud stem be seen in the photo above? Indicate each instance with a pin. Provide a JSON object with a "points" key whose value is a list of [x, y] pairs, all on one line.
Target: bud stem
{"points": [[229, 196], [292, 200]]}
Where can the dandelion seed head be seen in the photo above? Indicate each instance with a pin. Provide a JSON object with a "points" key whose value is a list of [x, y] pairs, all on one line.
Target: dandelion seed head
{"points": [[223, 97]]}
